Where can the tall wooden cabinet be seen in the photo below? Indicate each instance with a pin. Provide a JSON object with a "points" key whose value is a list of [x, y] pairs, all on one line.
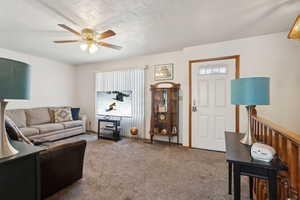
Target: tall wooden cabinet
{"points": [[165, 110]]}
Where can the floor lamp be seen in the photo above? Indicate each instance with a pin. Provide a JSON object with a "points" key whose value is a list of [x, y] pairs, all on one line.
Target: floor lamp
{"points": [[14, 84], [250, 92]]}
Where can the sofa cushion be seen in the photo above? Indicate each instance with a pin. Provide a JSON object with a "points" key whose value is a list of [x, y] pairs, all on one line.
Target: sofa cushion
{"points": [[36, 116], [18, 116], [46, 128], [29, 131], [62, 115], [71, 124]]}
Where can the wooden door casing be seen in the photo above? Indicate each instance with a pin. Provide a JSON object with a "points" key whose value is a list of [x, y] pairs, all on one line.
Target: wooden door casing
{"points": [[237, 75]]}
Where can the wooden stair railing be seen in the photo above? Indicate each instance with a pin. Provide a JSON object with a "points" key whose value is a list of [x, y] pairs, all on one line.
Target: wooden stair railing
{"points": [[287, 145]]}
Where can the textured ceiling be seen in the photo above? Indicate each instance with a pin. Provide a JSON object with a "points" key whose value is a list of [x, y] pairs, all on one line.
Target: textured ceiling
{"points": [[142, 26]]}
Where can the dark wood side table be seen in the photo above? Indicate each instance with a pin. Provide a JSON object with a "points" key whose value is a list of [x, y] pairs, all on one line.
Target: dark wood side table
{"points": [[114, 132], [20, 174], [238, 156]]}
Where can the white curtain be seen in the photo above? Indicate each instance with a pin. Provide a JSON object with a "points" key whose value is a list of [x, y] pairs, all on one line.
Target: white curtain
{"points": [[134, 80]]}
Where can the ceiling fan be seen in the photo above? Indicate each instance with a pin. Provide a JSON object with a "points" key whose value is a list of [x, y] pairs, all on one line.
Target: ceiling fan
{"points": [[90, 39]]}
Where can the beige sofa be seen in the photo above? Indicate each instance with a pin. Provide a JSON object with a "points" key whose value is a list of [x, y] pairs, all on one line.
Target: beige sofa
{"points": [[38, 124]]}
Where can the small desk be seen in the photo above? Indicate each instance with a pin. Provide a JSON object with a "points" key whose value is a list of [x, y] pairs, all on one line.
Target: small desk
{"points": [[238, 155], [115, 132]]}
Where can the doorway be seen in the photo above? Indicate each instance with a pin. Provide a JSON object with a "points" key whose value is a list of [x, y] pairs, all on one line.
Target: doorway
{"points": [[210, 109]]}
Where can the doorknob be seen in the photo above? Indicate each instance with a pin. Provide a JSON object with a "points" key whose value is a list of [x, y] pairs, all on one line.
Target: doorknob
{"points": [[194, 107]]}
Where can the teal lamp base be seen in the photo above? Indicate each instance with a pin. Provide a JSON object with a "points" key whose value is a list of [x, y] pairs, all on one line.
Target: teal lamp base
{"points": [[249, 138], [6, 149]]}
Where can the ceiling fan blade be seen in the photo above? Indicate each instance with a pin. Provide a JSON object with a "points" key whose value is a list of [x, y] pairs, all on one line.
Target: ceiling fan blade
{"points": [[65, 41], [69, 29], [109, 45], [105, 34]]}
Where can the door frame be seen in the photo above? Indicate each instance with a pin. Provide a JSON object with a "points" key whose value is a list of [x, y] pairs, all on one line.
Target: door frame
{"points": [[237, 75]]}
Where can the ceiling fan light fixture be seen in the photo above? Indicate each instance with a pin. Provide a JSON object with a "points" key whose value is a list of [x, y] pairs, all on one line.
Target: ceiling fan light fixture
{"points": [[89, 39], [295, 31], [84, 46], [93, 48]]}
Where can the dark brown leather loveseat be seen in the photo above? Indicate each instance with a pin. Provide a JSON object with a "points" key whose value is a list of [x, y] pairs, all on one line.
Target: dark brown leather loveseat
{"points": [[61, 165]]}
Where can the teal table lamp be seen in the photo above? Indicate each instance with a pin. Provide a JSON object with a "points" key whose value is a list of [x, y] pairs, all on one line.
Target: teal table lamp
{"points": [[250, 92], [14, 84]]}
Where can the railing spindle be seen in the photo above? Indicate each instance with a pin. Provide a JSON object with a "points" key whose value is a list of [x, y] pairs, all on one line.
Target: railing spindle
{"points": [[269, 136], [292, 163], [282, 148], [266, 135], [262, 133], [274, 140]]}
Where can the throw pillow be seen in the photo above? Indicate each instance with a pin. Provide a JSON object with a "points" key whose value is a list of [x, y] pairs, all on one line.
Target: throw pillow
{"points": [[62, 115], [75, 113], [11, 129], [51, 112], [14, 132]]}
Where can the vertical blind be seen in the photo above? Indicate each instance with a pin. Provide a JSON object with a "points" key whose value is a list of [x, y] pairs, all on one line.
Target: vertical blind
{"points": [[134, 80]]}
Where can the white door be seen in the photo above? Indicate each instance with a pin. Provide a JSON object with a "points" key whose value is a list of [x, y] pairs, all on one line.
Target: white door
{"points": [[212, 112]]}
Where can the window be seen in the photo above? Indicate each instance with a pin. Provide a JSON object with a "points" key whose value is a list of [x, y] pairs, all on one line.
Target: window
{"points": [[213, 69], [121, 93]]}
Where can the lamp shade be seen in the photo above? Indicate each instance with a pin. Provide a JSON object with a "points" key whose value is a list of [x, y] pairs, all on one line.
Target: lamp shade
{"points": [[250, 91], [14, 79]]}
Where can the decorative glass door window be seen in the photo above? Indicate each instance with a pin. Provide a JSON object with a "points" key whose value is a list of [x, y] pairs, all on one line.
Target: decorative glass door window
{"points": [[213, 69]]}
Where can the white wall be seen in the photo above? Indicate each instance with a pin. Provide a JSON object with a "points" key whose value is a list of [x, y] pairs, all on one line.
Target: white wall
{"points": [[269, 55], [86, 81], [52, 83], [273, 56]]}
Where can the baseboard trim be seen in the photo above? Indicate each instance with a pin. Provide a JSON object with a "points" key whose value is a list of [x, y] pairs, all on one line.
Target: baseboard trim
{"points": [[91, 131]]}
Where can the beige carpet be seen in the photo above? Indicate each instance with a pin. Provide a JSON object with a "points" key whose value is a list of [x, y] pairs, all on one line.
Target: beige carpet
{"points": [[134, 170]]}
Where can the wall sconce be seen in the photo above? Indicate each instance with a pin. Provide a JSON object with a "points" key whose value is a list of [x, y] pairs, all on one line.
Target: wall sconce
{"points": [[295, 31]]}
